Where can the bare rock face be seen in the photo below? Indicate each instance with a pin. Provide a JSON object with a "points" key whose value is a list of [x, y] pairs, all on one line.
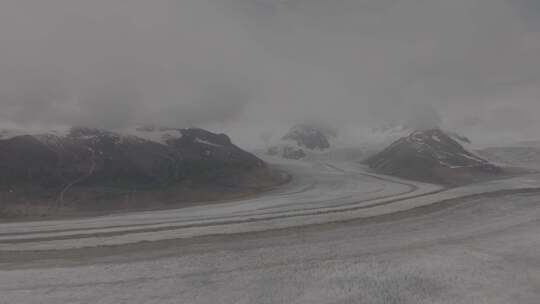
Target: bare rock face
{"points": [[432, 156]]}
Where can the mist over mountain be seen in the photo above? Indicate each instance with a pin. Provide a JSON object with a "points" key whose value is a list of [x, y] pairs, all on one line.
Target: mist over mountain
{"points": [[245, 66], [270, 151]]}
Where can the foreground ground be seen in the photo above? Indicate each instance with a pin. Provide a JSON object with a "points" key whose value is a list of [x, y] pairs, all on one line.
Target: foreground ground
{"points": [[457, 246]]}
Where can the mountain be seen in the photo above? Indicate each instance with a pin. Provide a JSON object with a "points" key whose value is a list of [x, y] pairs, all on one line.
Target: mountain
{"points": [[432, 156], [302, 139], [287, 152], [309, 136], [88, 165], [390, 132]]}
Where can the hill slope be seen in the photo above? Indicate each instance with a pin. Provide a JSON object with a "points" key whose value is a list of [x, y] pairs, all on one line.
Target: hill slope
{"points": [[432, 156], [96, 169]]}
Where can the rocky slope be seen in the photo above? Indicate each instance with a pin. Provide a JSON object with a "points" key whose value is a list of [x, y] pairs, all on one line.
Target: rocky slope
{"points": [[309, 136], [98, 168], [302, 139], [432, 156]]}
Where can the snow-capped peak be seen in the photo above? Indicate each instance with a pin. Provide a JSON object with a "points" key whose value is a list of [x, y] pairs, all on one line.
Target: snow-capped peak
{"points": [[160, 135]]}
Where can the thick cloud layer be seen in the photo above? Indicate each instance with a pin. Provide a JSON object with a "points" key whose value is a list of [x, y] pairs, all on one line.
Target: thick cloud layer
{"points": [[113, 62], [245, 65]]}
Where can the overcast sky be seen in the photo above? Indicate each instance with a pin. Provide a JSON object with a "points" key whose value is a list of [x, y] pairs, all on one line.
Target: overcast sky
{"points": [[246, 65]]}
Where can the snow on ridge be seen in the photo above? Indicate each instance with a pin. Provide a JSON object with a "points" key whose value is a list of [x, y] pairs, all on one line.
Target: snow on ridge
{"points": [[474, 157], [158, 135], [202, 141], [153, 134], [6, 134], [9, 133]]}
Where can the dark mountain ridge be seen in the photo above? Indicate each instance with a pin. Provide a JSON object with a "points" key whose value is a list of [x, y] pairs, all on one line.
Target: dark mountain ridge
{"points": [[432, 156], [93, 167]]}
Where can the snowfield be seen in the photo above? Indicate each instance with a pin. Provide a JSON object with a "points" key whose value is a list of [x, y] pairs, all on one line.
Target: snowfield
{"points": [[336, 234]]}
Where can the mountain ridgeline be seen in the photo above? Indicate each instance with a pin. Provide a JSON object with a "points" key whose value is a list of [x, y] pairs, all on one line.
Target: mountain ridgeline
{"points": [[301, 140], [91, 167], [432, 156]]}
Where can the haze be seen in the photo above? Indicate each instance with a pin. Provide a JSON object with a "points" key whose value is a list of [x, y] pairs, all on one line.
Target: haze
{"points": [[245, 66]]}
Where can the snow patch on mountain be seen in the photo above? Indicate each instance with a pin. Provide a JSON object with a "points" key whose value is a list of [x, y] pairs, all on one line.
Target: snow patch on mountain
{"points": [[303, 140], [160, 135], [433, 156]]}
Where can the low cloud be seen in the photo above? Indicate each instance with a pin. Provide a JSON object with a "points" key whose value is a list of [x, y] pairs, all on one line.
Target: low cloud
{"points": [[249, 65]]}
